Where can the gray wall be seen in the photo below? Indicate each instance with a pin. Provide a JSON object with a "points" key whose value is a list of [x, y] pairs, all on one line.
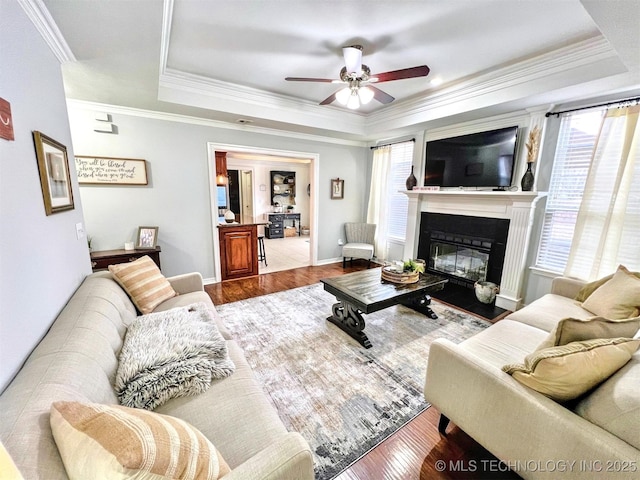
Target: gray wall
{"points": [[177, 197], [41, 260]]}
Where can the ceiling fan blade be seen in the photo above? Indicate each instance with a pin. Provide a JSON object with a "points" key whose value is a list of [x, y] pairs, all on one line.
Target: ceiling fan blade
{"points": [[381, 96], [421, 71], [329, 99], [353, 58], [304, 79]]}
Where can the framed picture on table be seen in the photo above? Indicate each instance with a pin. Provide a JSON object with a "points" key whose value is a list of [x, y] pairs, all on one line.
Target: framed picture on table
{"points": [[55, 178], [337, 188], [147, 237]]}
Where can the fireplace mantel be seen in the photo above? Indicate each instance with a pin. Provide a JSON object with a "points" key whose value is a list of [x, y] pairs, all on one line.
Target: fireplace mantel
{"points": [[516, 206]]}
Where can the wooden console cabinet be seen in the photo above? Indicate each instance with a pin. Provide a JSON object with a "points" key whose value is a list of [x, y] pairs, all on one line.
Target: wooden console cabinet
{"points": [[102, 259], [238, 250]]}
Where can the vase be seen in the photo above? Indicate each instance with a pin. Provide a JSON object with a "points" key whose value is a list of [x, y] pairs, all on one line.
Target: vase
{"points": [[527, 179], [412, 181], [229, 217], [486, 291]]}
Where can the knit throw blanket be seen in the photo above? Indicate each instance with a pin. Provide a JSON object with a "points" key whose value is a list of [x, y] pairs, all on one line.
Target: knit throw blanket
{"points": [[170, 354]]}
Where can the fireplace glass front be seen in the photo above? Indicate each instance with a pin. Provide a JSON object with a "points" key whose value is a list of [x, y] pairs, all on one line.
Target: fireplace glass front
{"points": [[458, 260]]}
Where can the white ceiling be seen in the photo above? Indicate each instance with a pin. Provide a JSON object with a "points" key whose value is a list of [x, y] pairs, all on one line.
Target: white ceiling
{"points": [[226, 60]]}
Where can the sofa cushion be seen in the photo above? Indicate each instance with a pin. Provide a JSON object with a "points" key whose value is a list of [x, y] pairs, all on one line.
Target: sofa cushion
{"points": [[504, 342], [615, 405], [617, 298], [566, 372], [144, 283], [574, 330], [103, 441], [243, 421], [545, 312]]}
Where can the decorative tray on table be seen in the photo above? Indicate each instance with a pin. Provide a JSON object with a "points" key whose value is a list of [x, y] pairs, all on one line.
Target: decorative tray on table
{"points": [[390, 275]]}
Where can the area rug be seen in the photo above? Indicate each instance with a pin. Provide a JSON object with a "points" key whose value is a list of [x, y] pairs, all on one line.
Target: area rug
{"points": [[343, 399]]}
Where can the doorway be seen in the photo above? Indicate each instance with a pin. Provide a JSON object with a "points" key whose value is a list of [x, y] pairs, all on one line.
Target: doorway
{"points": [[251, 207], [241, 195]]}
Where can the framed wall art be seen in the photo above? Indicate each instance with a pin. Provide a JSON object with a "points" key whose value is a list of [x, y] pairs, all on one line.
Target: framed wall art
{"points": [[55, 179], [337, 188], [147, 237], [111, 171]]}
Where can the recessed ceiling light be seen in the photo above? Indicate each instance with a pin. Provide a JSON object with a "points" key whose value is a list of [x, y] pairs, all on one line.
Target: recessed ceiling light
{"points": [[436, 81]]}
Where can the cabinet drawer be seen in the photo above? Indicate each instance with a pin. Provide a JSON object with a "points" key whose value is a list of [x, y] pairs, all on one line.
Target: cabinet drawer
{"points": [[102, 260], [275, 225], [275, 231], [276, 218]]}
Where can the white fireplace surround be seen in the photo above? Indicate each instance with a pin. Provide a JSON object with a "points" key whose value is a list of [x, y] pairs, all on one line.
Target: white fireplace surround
{"points": [[518, 207]]}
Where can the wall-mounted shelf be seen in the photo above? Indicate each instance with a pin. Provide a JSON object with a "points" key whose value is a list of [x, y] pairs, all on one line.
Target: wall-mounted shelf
{"points": [[283, 188]]}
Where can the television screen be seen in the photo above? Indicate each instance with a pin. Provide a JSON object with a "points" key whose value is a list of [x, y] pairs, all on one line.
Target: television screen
{"points": [[483, 159]]}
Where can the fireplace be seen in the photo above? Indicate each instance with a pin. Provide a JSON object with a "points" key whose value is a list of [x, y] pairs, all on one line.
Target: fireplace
{"points": [[462, 248]]}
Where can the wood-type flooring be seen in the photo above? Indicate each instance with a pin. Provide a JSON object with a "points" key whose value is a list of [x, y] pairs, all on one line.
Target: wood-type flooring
{"points": [[416, 451]]}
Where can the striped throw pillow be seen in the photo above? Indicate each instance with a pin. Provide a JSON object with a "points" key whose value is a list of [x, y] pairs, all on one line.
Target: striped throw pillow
{"points": [[112, 441], [143, 282]]}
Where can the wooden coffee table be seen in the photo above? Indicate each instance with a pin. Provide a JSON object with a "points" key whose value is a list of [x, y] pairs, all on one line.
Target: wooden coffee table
{"points": [[366, 292]]}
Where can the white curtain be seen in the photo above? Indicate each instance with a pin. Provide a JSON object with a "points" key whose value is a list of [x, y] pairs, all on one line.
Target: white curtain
{"points": [[378, 198], [607, 231]]}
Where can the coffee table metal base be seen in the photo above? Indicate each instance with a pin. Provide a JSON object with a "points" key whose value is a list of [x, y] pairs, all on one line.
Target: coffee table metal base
{"points": [[349, 318]]}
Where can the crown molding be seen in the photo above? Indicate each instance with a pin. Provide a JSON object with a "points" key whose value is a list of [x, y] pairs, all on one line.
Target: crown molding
{"points": [[39, 15], [484, 88], [174, 117]]}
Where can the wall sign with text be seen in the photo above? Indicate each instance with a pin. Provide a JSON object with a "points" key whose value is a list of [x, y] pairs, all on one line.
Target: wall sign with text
{"points": [[111, 171]]}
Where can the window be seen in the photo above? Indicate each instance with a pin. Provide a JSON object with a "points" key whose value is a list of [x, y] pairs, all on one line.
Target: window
{"points": [[592, 218], [576, 141], [398, 203]]}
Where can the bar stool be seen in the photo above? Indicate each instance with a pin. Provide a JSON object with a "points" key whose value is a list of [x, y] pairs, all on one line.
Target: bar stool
{"points": [[262, 256]]}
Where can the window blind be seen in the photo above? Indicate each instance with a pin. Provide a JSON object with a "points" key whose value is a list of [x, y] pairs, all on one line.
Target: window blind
{"points": [[576, 142], [401, 161]]}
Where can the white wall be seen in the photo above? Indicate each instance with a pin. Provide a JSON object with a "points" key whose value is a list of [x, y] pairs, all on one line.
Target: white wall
{"points": [[177, 198], [41, 260]]}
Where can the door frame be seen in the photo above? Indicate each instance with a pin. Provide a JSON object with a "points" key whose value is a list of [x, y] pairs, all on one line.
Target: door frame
{"points": [[313, 198]]}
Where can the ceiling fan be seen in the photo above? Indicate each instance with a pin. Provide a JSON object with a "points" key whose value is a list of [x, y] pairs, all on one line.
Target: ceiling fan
{"points": [[358, 79]]}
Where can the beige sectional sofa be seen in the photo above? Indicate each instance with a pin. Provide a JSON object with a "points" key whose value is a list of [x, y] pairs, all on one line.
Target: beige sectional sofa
{"points": [[595, 436], [78, 358]]}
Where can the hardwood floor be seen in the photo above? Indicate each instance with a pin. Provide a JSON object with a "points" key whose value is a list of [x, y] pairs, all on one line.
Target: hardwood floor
{"points": [[417, 450]]}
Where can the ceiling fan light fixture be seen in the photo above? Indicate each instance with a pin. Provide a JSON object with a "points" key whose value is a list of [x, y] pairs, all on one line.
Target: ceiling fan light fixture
{"points": [[354, 101], [365, 94], [343, 95]]}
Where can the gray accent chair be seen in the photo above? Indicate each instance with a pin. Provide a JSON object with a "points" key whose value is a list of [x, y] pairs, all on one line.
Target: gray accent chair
{"points": [[360, 242]]}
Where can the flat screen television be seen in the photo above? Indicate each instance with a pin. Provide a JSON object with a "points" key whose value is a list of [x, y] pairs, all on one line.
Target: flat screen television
{"points": [[483, 159]]}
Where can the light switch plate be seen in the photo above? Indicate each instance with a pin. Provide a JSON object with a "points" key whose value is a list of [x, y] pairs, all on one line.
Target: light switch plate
{"points": [[80, 233]]}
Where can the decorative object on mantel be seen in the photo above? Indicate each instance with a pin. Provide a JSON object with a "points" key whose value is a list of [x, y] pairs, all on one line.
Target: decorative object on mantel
{"points": [[532, 154], [229, 216], [111, 171], [337, 188], [55, 178], [6, 122], [412, 181], [486, 291]]}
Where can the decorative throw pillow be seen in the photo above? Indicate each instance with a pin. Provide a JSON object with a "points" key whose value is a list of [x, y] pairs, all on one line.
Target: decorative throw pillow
{"points": [[143, 282], [566, 372], [111, 441], [591, 287], [618, 298], [575, 330]]}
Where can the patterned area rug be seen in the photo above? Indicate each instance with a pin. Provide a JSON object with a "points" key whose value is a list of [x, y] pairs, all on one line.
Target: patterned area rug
{"points": [[344, 399]]}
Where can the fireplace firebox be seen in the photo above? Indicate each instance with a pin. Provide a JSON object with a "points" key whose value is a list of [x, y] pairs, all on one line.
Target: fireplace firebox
{"points": [[465, 249]]}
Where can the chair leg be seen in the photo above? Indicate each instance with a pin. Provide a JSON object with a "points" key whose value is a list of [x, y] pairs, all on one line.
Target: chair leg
{"points": [[344, 262], [369, 264]]}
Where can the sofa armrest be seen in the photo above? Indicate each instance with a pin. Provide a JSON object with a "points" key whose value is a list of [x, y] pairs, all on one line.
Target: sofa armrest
{"points": [[287, 459], [187, 283], [516, 424], [567, 287]]}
